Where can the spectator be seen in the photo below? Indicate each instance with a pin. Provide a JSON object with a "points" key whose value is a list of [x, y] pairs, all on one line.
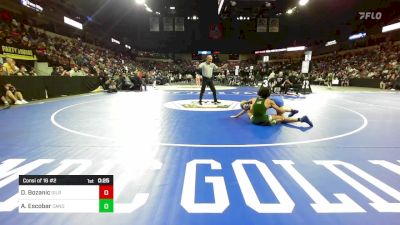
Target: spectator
{"points": [[397, 83], [2, 72], [3, 97], [82, 71], [345, 81], [125, 82], [23, 71], [56, 72], [143, 80], [32, 72], [382, 84], [9, 67], [73, 72], [111, 85], [330, 78], [12, 95], [63, 72]]}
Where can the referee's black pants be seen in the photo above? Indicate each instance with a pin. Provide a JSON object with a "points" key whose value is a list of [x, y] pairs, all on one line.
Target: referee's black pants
{"points": [[208, 82]]}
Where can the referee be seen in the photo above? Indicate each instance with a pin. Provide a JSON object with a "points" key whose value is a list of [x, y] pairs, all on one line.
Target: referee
{"points": [[207, 69]]}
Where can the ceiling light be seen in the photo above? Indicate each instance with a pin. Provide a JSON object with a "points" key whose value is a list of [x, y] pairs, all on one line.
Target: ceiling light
{"points": [[140, 2], [290, 11], [391, 27], [172, 8], [148, 9], [113, 40], [303, 2], [241, 18], [221, 3], [299, 48], [329, 43], [357, 36], [158, 13], [73, 23]]}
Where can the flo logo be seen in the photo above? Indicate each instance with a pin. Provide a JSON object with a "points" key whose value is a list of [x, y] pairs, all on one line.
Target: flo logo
{"points": [[370, 15]]}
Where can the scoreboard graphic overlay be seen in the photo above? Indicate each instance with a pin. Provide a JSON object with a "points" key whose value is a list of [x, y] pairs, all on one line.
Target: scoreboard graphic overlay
{"points": [[65, 194]]}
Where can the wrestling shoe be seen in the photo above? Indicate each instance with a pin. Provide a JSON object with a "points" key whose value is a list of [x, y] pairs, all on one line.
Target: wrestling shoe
{"points": [[305, 119], [293, 112], [6, 106], [216, 102], [200, 103]]}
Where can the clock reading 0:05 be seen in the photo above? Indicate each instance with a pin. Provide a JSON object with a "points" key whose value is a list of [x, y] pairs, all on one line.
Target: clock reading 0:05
{"points": [[103, 180]]}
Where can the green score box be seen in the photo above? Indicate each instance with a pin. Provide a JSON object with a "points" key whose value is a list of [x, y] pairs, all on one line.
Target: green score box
{"points": [[106, 205]]}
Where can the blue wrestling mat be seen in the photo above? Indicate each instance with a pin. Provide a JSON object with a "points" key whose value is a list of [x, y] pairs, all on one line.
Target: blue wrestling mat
{"points": [[175, 163]]}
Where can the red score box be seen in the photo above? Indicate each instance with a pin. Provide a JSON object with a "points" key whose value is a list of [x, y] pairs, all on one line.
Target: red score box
{"points": [[106, 192]]}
